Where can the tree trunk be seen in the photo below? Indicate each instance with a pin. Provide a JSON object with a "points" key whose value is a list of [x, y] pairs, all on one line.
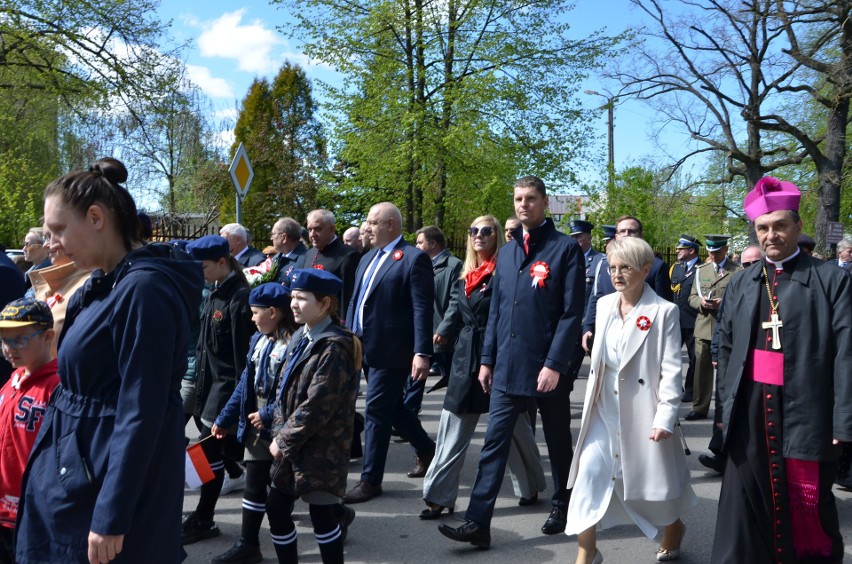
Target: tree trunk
{"points": [[830, 171]]}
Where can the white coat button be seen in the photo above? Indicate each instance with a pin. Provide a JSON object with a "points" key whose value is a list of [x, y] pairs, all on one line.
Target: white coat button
{"points": [[63, 471]]}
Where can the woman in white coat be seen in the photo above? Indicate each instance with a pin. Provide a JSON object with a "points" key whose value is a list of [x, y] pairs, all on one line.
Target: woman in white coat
{"points": [[627, 469]]}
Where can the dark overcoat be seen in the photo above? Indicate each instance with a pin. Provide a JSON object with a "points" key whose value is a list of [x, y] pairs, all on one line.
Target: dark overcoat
{"points": [[110, 454], [817, 335], [447, 269], [315, 413], [534, 325], [226, 330], [470, 315]]}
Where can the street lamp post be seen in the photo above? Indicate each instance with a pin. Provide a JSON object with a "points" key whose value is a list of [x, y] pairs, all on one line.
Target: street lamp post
{"points": [[610, 107]]}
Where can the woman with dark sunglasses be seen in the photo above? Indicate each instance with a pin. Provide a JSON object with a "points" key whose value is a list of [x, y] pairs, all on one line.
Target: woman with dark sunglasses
{"points": [[464, 400]]}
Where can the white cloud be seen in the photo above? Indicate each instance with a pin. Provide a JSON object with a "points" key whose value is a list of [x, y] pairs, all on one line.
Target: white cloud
{"points": [[212, 86], [227, 114], [250, 44]]}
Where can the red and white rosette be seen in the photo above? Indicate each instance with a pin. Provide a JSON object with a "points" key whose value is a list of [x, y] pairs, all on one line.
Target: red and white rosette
{"points": [[643, 323], [319, 267], [539, 272], [397, 254]]}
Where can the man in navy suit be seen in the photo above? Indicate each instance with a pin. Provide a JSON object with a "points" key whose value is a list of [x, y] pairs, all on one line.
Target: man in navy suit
{"points": [[238, 245], [391, 310], [532, 330]]}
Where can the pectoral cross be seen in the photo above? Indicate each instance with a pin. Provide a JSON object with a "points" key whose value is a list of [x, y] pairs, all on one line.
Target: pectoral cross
{"points": [[774, 324]]}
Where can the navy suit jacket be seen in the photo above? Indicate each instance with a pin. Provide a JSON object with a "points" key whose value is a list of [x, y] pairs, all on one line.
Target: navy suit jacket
{"points": [[530, 327], [397, 318], [252, 257]]}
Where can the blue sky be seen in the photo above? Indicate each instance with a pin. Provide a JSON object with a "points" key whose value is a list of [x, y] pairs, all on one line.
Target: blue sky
{"points": [[234, 42]]}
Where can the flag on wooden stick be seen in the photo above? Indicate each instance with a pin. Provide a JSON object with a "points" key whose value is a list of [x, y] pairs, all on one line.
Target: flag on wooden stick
{"points": [[196, 467]]}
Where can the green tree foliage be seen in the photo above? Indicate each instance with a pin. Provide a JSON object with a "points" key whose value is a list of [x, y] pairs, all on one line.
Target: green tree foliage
{"points": [[443, 100], [671, 205], [28, 155], [64, 66], [287, 148]]}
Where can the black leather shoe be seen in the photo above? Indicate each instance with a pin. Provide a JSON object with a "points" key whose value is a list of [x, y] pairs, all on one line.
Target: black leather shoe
{"points": [[525, 501], [363, 491], [241, 553], [686, 398], [693, 416], [715, 463], [434, 511], [421, 465], [480, 537], [193, 529], [555, 523]]}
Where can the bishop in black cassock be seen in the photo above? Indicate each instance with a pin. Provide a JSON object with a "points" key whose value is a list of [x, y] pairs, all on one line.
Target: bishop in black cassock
{"points": [[784, 379]]}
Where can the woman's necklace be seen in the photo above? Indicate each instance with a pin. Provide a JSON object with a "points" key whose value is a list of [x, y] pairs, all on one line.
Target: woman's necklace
{"points": [[774, 322]]}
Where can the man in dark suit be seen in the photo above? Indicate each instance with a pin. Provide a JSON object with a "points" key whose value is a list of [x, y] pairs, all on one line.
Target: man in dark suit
{"points": [[682, 279], [533, 325], [239, 247], [328, 253], [658, 278], [447, 269], [286, 237], [391, 311]]}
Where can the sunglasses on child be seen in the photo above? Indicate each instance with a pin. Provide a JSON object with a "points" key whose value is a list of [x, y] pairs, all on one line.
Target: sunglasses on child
{"points": [[486, 231]]}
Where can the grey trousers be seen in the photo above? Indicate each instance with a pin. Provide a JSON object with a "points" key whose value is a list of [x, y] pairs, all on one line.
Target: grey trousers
{"points": [[441, 483]]}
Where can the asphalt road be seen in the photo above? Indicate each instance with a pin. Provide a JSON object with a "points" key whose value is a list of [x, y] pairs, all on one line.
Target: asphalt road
{"points": [[387, 528]]}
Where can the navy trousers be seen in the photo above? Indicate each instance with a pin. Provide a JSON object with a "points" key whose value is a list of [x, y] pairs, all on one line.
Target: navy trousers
{"points": [[385, 408], [504, 409]]}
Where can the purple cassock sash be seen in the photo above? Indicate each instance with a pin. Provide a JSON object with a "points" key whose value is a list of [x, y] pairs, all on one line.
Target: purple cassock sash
{"points": [[809, 538]]}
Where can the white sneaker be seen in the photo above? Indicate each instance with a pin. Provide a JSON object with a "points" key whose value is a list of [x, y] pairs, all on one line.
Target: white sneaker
{"points": [[233, 484]]}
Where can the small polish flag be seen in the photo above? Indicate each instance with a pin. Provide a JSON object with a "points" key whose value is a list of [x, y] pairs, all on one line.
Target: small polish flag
{"points": [[196, 467]]}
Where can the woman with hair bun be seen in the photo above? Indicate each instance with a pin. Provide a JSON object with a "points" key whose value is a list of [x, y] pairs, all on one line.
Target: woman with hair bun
{"points": [[105, 479]]}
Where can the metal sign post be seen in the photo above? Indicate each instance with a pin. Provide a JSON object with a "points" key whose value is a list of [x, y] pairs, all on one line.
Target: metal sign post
{"points": [[241, 175]]}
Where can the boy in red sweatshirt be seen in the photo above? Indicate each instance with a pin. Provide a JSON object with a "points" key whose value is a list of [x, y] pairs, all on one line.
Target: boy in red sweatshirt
{"points": [[26, 330]]}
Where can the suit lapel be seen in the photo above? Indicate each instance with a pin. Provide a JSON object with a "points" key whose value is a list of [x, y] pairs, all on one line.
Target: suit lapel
{"points": [[389, 263], [647, 307]]}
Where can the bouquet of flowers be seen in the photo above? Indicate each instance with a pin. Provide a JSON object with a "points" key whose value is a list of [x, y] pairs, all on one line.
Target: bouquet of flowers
{"points": [[266, 271]]}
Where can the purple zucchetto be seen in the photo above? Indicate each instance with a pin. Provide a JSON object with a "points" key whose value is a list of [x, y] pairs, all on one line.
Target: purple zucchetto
{"points": [[769, 195]]}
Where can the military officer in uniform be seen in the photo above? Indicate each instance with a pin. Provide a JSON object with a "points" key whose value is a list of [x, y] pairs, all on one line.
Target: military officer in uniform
{"points": [[706, 296], [682, 277], [581, 231]]}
